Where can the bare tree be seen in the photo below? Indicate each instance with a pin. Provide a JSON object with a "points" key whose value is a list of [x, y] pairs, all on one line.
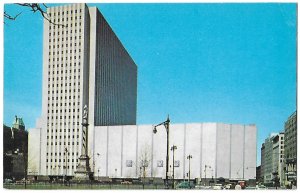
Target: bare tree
{"points": [[144, 160], [35, 8]]}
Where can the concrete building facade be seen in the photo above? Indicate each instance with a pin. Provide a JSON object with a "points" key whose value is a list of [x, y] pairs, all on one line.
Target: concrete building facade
{"points": [[84, 63], [290, 155]]}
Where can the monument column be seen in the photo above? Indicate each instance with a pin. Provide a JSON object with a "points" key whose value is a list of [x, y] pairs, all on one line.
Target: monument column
{"points": [[83, 170]]}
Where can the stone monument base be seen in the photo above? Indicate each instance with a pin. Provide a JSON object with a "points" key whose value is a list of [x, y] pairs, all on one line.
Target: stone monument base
{"points": [[83, 172]]}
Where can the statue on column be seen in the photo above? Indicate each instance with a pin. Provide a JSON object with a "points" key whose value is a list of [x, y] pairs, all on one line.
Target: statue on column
{"points": [[85, 114]]}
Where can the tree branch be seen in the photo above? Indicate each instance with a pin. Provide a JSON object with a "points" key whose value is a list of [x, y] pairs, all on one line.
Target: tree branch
{"points": [[6, 15], [34, 7]]}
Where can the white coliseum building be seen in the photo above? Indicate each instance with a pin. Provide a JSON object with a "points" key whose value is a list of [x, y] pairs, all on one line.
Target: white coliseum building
{"points": [[86, 64], [227, 151]]}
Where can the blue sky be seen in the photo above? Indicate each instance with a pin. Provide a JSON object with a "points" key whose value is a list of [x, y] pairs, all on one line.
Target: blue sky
{"points": [[231, 63]]}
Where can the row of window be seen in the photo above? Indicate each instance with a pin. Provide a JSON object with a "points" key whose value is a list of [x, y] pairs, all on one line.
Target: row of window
{"points": [[63, 75], [66, 71], [60, 143], [62, 52], [61, 98], [61, 153], [67, 32], [61, 111], [57, 59], [60, 137], [61, 105], [63, 19], [62, 72], [59, 160], [62, 39], [61, 85], [56, 117], [65, 25], [64, 65], [65, 111], [61, 91], [63, 12], [60, 130], [66, 84], [66, 78], [56, 98], [59, 167], [62, 123]]}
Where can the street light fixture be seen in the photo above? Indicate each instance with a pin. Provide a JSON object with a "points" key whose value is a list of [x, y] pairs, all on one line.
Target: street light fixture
{"points": [[167, 125], [98, 155], [205, 173], [173, 148], [189, 157]]}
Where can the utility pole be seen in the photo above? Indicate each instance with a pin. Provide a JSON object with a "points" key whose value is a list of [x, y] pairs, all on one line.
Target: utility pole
{"points": [[173, 148], [189, 157]]}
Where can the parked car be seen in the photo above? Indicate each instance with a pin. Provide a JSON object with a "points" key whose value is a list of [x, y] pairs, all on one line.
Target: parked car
{"points": [[8, 181], [228, 186], [126, 182], [261, 187], [200, 187], [217, 187], [250, 188], [185, 185]]}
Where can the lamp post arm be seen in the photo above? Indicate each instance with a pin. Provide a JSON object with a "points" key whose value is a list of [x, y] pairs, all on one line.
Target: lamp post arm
{"points": [[163, 123]]}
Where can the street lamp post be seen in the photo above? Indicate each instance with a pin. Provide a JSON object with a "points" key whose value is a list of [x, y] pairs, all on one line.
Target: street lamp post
{"points": [[205, 173], [59, 169], [173, 148], [167, 125], [66, 152], [189, 157], [98, 155]]}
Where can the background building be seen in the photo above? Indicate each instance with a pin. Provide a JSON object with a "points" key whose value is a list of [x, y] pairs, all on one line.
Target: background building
{"points": [[258, 174], [15, 140], [84, 63], [290, 155], [228, 151], [272, 160], [278, 159], [18, 123]]}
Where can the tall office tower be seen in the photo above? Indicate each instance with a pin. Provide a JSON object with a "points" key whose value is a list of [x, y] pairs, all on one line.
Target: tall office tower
{"points": [[84, 63]]}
